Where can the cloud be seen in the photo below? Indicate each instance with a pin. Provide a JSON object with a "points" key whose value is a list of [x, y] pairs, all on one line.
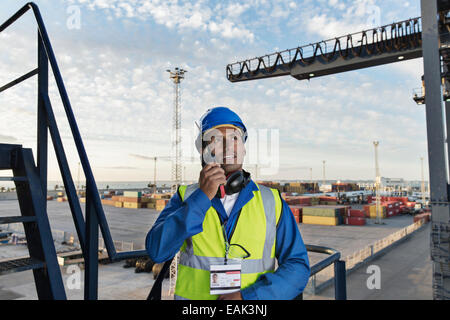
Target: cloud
{"points": [[180, 15], [7, 139], [122, 168], [141, 157], [123, 98]]}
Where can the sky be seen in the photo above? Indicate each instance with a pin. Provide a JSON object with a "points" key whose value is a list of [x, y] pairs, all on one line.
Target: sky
{"points": [[113, 56]]}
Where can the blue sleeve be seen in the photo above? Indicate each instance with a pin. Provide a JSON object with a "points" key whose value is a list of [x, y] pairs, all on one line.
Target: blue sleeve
{"points": [[292, 275], [178, 221]]}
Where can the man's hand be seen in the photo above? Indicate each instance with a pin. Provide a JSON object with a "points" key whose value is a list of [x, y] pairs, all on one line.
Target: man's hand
{"points": [[231, 296], [211, 177]]}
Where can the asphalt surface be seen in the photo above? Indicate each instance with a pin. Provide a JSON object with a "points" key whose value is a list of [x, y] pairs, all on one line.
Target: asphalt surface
{"points": [[405, 273]]}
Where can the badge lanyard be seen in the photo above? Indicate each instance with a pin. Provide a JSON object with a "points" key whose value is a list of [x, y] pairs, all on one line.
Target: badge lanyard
{"points": [[228, 245]]}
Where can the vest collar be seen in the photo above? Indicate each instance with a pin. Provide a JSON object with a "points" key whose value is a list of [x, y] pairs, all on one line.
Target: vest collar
{"points": [[244, 197]]}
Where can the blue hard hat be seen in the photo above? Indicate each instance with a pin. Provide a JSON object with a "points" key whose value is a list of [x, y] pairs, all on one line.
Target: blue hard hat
{"points": [[215, 117]]}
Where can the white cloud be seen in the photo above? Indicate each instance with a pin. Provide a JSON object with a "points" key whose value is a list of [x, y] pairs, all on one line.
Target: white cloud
{"points": [[122, 96], [181, 15]]}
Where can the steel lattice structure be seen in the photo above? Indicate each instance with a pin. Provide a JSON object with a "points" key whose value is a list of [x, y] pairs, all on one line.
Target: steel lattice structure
{"points": [[363, 49]]}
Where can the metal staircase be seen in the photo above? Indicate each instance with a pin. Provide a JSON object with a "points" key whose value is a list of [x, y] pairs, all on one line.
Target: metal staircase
{"points": [[31, 183], [42, 259]]}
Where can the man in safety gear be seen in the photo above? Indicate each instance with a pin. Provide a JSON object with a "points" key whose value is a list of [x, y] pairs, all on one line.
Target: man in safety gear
{"points": [[234, 230]]}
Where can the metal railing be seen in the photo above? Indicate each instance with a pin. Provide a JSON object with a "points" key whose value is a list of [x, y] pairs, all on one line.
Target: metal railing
{"points": [[334, 257]]}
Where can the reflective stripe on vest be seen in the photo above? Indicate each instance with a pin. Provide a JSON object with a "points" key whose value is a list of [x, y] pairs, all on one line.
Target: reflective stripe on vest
{"points": [[251, 268]]}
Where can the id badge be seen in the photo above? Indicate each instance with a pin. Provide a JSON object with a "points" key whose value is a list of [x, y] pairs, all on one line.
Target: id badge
{"points": [[225, 278]]}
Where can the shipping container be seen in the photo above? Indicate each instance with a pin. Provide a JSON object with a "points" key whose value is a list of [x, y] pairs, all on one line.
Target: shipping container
{"points": [[327, 221], [355, 221], [132, 194], [426, 217], [292, 200], [356, 213], [132, 205], [325, 211]]}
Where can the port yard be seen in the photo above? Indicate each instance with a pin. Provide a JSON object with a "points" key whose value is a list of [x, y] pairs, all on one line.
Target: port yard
{"points": [[130, 226]]}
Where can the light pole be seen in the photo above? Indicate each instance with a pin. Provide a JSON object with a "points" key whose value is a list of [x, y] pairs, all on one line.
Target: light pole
{"points": [[176, 76], [323, 182], [377, 184]]}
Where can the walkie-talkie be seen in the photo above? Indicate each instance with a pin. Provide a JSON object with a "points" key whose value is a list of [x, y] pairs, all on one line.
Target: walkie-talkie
{"points": [[236, 181]]}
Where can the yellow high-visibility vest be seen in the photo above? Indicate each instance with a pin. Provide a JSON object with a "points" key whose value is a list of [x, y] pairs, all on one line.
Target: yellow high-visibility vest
{"points": [[255, 230]]}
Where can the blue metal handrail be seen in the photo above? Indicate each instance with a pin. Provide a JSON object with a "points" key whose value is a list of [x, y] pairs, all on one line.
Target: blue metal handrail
{"points": [[87, 231], [340, 286]]}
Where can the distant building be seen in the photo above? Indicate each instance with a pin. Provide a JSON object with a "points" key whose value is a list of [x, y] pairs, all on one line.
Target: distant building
{"points": [[393, 182]]}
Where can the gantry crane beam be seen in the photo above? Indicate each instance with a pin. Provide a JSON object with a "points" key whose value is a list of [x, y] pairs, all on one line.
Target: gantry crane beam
{"points": [[386, 44]]}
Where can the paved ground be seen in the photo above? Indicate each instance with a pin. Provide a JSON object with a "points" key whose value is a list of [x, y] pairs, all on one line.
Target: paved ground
{"points": [[125, 224], [115, 282], [133, 225], [406, 273]]}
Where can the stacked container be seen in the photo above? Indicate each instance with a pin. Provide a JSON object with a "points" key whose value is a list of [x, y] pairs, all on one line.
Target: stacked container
{"points": [[371, 211], [61, 197], [326, 200], [324, 215], [298, 200], [355, 218], [297, 210]]}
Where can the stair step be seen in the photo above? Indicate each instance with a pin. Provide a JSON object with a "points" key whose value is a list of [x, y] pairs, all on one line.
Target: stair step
{"points": [[19, 265], [7, 160], [18, 219], [13, 179]]}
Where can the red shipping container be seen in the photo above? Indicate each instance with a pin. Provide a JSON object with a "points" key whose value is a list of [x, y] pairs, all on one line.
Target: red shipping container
{"points": [[356, 213], [403, 200], [426, 216], [298, 200], [295, 210], [388, 205], [355, 221], [418, 217], [366, 210]]}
